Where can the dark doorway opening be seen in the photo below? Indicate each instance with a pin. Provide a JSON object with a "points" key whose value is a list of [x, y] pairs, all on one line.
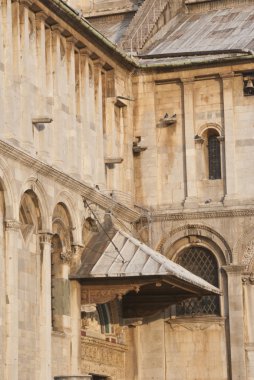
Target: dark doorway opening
{"points": [[98, 377]]}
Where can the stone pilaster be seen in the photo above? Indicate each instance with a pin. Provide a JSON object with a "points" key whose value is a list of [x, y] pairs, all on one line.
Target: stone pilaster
{"points": [[86, 89], [100, 168], [45, 306], [26, 136], [229, 125], [236, 321], [12, 236], [58, 117], [42, 133], [73, 140], [10, 117], [189, 143], [2, 96]]}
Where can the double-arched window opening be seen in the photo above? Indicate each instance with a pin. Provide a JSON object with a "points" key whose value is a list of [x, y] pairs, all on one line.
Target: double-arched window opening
{"points": [[201, 262]]}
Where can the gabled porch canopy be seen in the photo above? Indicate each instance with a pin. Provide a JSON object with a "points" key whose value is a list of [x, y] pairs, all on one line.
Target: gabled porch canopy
{"points": [[145, 280]]}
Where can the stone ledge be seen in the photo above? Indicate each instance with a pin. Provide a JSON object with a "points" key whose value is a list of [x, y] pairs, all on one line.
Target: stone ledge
{"points": [[121, 211]]}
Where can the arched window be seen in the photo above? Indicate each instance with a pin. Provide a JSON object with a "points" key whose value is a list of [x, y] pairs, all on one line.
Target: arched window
{"points": [[214, 159], [202, 263]]}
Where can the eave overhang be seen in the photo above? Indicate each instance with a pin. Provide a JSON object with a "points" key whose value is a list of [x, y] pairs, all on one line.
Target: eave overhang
{"points": [[148, 62], [144, 280]]}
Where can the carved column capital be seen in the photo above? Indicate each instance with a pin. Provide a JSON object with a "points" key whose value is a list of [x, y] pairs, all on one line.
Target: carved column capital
{"points": [[66, 256], [12, 224], [45, 237], [98, 64], [77, 250], [39, 17], [57, 28]]}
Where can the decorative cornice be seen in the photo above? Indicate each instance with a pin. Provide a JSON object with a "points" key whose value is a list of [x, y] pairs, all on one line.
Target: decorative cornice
{"points": [[101, 343], [209, 214], [120, 210]]}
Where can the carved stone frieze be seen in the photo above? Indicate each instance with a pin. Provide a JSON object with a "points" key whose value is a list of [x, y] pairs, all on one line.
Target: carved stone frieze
{"points": [[105, 294], [99, 356], [248, 279], [248, 254], [167, 216]]}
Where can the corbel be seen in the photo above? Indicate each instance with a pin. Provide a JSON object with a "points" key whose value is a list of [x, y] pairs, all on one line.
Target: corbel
{"points": [[57, 28], [110, 161], [26, 3], [199, 140]]}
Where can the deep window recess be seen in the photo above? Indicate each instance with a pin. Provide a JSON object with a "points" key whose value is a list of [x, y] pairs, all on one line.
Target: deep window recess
{"points": [[202, 263], [214, 157]]}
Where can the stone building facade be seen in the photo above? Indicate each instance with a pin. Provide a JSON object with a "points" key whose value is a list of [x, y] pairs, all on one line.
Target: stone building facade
{"points": [[157, 132]]}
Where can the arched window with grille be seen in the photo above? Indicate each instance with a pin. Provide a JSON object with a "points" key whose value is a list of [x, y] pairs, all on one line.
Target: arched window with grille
{"points": [[202, 263]]}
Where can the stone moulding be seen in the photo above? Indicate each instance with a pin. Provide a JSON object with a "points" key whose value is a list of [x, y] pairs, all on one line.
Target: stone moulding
{"points": [[202, 214], [64, 179]]}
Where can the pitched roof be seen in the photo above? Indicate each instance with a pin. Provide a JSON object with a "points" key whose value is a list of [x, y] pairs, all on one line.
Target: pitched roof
{"points": [[124, 256], [217, 30]]}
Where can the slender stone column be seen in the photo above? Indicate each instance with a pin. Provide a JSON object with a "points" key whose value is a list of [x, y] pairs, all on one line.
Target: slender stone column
{"points": [[75, 297], [100, 166], [12, 236], [75, 294], [236, 321], [189, 133], [229, 125], [45, 306]]}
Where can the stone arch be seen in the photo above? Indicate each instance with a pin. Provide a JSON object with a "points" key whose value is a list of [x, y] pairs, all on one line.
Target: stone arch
{"points": [[203, 128], [33, 185], [8, 186], [185, 235], [66, 199], [243, 251]]}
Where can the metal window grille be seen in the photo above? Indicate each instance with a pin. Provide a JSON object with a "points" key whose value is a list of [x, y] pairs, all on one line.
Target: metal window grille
{"points": [[214, 157], [201, 262]]}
